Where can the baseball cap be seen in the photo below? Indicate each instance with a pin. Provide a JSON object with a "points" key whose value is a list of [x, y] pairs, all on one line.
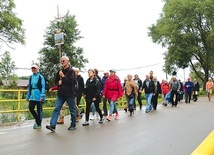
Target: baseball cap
{"points": [[34, 66], [113, 70]]}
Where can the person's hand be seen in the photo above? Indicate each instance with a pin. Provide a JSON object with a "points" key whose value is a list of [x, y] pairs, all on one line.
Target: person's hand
{"points": [[27, 100], [104, 96], [60, 82], [41, 99], [61, 74]]}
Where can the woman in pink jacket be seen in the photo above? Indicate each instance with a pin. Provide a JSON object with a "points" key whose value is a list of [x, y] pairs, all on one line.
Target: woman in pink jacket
{"points": [[112, 91]]}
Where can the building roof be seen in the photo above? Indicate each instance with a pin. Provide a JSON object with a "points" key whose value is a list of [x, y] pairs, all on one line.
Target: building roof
{"points": [[20, 83]]}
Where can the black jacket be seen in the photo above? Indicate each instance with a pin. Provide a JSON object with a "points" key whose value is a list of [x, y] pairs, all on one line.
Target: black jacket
{"points": [[150, 88], [68, 82], [92, 89], [195, 86]]}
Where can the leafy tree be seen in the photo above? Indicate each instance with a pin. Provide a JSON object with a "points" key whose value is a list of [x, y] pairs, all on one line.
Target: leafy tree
{"points": [[7, 68], [49, 54], [185, 28], [11, 30]]}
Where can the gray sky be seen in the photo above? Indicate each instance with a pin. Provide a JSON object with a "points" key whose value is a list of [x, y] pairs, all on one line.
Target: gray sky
{"points": [[115, 33]]}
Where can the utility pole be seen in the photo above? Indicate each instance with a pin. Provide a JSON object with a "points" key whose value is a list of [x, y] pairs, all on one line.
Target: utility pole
{"points": [[59, 40]]}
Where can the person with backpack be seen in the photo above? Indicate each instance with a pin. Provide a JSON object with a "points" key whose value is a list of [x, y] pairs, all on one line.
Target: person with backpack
{"points": [[65, 81], [175, 89], [36, 95]]}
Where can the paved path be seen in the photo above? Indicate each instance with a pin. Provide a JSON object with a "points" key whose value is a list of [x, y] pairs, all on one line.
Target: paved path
{"points": [[167, 131]]}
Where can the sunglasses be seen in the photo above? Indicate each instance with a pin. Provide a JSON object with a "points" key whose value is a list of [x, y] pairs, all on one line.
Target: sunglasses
{"points": [[62, 61], [33, 68]]}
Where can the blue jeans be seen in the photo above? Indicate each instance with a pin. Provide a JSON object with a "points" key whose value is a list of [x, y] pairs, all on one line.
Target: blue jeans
{"points": [[113, 108], [148, 102], [131, 102], [93, 108], [58, 106]]}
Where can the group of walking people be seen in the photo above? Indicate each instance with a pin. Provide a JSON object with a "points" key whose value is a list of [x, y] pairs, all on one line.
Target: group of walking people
{"points": [[108, 89]]}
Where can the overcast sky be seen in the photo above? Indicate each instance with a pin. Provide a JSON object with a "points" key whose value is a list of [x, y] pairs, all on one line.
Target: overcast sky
{"points": [[115, 34]]}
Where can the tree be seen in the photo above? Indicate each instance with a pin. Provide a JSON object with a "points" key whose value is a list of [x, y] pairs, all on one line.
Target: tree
{"points": [[49, 54], [186, 28], [11, 30], [7, 67]]}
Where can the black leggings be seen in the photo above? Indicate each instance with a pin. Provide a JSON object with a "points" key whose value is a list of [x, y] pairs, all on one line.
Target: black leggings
{"points": [[37, 115], [88, 106]]}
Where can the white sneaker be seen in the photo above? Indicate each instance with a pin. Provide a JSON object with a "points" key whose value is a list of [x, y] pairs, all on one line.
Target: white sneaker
{"points": [[92, 117]]}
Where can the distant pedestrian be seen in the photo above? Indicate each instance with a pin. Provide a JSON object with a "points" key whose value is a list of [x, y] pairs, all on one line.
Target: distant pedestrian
{"points": [[105, 109], [195, 90], [175, 89], [139, 85], [164, 89], [66, 81], [156, 94], [181, 91], [36, 95], [112, 91], [131, 92], [149, 89], [188, 90], [209, 88]]}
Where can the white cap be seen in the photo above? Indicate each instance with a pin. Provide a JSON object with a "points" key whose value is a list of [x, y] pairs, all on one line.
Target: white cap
{"points": [[34, 66]]}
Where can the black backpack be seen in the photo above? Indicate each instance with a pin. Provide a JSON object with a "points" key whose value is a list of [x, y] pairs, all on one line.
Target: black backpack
{"points": [[39, 84]]}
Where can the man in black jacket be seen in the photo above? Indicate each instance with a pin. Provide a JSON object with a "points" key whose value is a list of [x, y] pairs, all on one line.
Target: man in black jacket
{"points": [[149, 89], [65, 80]]}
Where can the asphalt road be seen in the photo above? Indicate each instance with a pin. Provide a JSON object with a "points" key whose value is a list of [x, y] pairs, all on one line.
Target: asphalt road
{"points": [[166, 131]]}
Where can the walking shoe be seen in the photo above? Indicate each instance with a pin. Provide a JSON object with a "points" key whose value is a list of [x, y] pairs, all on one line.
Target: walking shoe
{"points": [[92, 117], [35, 126], [50, 127], [140, 107], [72, 127], [78, 118], [60, 121], [86, 123], [125, 109], [116, 116], [109, 117], [131, 112], [101, 121]]}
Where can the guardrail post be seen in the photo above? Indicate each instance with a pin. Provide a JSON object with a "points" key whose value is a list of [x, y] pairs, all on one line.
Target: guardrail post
{"points": [[19, 105]]}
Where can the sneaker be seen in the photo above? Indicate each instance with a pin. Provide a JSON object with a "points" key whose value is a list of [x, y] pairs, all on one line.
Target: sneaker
{"points": [[125, 109], [92, 117], [109, 117], [35, 126], [50, 127], [101, 121], [116, 116], [86, 123], [72, 127]]}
